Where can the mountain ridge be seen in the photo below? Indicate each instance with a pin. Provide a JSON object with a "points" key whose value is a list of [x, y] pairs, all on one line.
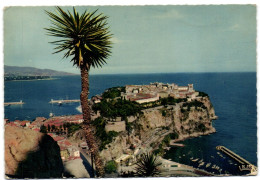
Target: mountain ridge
{"points": [[32, 71]]}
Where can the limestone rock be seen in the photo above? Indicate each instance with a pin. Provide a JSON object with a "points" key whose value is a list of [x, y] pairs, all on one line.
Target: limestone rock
{"points": [[31, 154]]}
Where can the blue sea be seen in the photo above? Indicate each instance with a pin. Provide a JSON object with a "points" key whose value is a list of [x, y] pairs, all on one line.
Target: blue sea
{"points": [[233, 96]]}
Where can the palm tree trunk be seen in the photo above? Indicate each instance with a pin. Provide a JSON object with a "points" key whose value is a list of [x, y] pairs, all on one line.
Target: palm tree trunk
{"points": [[90, 139]]}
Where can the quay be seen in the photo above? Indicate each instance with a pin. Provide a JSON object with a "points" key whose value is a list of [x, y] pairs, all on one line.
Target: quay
{"points": [[13, 103], [64, 101], [245, 164]]}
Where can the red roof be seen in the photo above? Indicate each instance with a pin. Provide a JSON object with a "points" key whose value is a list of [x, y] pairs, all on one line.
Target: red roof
{"points": [[36, 129], [66, 143], [12, 124], [58, 138], [23, 123]]}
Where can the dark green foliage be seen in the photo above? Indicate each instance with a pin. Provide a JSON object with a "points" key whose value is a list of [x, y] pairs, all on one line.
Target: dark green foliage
{"points": [[174, 135], [171, 101], [110, 167], [43, 129], [164, 113], [113, 92], [202, 127], [195, 104], [105, 138], [167, 140], [129, 126], [72, 127], [202, 94], [147, 166], [116, 108]]}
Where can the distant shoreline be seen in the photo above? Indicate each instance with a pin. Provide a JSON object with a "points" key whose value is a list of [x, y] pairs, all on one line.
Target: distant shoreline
{"points": [[33, 79]]}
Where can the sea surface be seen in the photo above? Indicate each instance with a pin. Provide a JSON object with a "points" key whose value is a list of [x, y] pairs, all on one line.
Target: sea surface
{"points": [[233, 96]]}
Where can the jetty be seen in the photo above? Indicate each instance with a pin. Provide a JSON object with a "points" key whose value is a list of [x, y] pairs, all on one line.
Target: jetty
{"points": [[64, 101], [245, 165], [173, 143], [13, 103]]}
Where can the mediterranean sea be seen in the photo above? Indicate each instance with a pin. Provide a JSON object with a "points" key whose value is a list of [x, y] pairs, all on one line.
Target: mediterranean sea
{"points": [[233, 96]]}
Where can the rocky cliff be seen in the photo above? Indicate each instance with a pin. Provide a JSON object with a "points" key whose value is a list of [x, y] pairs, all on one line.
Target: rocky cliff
{"points": [[31, 154], [183, 120]]}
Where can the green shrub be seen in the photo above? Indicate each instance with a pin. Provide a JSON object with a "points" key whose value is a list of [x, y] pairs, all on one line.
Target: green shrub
{"points": [[110, 167]]}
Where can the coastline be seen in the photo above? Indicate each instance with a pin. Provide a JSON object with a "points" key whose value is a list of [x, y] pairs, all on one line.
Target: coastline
{"points": [[47, 79]]}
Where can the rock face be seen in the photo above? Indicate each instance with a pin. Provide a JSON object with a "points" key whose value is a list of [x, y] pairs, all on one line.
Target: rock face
{"points": [[186, 119], [31, 154]]}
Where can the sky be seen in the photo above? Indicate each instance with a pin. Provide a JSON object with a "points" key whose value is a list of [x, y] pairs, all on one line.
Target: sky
{"points": [[146, 39]]}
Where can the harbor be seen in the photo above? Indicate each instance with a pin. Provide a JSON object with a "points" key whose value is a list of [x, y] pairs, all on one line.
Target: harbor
{"points": [[245, 165]]}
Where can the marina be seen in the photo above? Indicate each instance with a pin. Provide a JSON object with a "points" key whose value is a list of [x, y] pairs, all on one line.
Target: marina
{"points": [[239, 159]]}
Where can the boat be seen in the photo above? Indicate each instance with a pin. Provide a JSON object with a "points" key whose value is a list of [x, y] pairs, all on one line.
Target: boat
{"points": [[208, 164], [194, 160], [201, 164]]}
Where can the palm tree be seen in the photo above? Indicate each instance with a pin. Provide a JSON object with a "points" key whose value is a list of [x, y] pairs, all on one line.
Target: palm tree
{"points": [[147, 166], [86, 39]]}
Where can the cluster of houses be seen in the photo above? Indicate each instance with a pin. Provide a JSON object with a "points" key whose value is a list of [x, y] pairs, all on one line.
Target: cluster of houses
{"points": [[155, 91], [67, 150]]}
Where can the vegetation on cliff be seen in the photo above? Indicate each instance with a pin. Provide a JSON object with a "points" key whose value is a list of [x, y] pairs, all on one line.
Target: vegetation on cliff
{"points": [[103, 136], [117, 108]]}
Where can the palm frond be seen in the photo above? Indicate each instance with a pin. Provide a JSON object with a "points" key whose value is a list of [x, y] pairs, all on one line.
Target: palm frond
{"points": [[88, 28]]}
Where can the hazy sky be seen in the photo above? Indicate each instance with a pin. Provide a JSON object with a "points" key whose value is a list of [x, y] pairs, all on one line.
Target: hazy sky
{"points": [[147, 39]]}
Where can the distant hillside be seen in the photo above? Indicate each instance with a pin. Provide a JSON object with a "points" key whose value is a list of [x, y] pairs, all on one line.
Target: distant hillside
{"points": [[30, 71]]}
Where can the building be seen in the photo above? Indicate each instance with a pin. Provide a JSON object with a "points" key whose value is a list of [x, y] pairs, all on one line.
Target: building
{"points": [[154, 91]]}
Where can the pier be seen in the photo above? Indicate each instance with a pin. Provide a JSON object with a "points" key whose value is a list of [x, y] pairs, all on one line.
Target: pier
{"points": [[245, 165], [13, 103], [64, 101]]}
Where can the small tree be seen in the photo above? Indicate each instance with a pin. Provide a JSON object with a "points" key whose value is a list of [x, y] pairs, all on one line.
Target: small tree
{"points": [[43, 129], [110, 167], [147, 166]]}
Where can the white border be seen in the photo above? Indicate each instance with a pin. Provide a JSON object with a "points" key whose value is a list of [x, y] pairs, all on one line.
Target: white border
{"points": [[7, 3]]}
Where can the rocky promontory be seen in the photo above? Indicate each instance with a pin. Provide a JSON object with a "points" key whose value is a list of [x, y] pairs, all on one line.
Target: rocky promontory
{"points": [[136, 121], [181, 121], [31, 154]]}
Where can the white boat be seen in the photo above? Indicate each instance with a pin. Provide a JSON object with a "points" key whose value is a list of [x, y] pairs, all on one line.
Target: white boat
{"points": [[194, 160], [208, 164], [51, 114], [201, 164]]}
